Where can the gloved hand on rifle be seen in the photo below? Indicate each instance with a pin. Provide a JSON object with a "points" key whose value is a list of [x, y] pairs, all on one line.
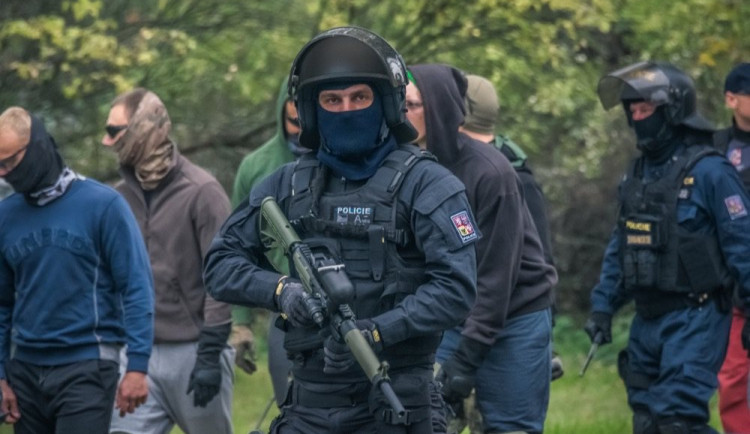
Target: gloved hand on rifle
{"points": [[599, 322], [458, 373], [243, 342], [205, 380], [336, 354], [295, 303], [746, 336]]}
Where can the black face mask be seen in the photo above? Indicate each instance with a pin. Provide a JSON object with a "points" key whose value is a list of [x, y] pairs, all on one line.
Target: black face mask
{"points": [[655, 135], [41, 166]]}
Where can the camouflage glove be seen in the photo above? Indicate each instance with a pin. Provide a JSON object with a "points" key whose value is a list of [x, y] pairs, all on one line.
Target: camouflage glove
{"points": [[205, 380], [599, 322], [243, 342], [458, 373]]}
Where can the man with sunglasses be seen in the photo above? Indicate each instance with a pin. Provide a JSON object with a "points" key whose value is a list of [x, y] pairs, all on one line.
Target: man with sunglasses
{"points": [[282, 148], [179, 208], [75, 286]]}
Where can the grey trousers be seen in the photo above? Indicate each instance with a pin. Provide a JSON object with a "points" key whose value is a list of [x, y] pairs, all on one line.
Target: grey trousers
{"points": [[168, 403]]}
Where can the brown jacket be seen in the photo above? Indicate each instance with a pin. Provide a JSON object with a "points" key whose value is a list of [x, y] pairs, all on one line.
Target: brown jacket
{"points": [[178, 220]]}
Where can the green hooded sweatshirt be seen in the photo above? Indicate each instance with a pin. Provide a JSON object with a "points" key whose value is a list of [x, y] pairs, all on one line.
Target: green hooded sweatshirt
{"points": [[254, 167]]}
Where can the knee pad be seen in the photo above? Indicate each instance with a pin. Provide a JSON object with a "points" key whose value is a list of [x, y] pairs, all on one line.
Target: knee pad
{"points": [[644, 423], [674, 426], [678, 425]]}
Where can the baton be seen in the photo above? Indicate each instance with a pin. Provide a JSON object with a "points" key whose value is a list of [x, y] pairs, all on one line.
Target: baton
{"points": [[598, 337]]}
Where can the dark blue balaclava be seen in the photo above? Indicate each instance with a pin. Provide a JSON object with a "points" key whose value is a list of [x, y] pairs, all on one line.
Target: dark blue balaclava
{"points": [[353, 143]]}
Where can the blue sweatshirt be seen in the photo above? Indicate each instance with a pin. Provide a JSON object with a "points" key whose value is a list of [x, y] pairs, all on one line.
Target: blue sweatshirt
{"points": [[75, 280]]}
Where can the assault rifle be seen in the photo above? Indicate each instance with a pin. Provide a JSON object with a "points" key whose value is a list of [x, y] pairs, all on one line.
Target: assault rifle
{"points": [[325, 279]]}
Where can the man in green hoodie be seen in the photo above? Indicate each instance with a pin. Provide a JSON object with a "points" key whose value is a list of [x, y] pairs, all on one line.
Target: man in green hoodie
{"points": [[282, 148]]}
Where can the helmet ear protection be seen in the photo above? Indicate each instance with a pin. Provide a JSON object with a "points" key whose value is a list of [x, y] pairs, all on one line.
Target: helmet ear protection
{"points": [[349, 54]]}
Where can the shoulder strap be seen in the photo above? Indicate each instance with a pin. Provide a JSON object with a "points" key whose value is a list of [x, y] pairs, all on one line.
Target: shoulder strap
{"points": [[722, 138], [511, 150]]}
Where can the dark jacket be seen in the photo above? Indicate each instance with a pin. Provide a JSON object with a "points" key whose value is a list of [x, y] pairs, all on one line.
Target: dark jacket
{"points": [[178, 223], [512, 275]]}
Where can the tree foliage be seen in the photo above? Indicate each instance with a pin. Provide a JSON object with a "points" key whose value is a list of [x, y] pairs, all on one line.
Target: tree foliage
{"points": [[217, 64]]}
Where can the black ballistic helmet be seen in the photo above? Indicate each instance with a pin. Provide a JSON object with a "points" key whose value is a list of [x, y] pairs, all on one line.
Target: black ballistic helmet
{"points": [[349, 54], [656, 82]]}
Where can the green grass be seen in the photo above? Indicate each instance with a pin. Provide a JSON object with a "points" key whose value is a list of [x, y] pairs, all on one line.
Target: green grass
{"points": [[593, 404]]}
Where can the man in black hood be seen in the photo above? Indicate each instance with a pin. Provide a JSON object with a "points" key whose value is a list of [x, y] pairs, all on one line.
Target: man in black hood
{"points": [[503, 348]]}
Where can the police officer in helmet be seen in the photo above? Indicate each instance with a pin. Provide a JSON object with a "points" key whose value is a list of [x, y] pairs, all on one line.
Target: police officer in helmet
{"points": [[399, 222], [681, 241]]}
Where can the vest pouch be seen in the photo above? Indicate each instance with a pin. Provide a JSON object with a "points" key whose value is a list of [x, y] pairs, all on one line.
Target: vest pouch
{"points": [[643, 231], [701, 262], [640, 268], [644, 237]]}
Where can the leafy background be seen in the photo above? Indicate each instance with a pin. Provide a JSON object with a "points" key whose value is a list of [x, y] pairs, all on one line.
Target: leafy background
{"points": [[217, 64]]}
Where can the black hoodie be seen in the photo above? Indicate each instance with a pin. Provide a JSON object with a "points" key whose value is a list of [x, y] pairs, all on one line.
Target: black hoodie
{"points": [[512, 275]]}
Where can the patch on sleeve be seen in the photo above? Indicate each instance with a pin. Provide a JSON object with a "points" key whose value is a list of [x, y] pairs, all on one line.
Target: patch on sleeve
{"points": [[735, 207], [465, 229]]}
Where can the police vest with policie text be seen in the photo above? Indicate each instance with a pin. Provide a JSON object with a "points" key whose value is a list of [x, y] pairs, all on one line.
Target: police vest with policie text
{"points": [[368, 231], [656, 253]]}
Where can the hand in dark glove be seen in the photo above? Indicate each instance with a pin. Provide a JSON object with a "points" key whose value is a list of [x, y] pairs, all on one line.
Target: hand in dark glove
{"points": [[243, 342], [205, 380], [746, 336], [458, 373], [371, 334], [599, 323], [296, 304], [336, 356]]}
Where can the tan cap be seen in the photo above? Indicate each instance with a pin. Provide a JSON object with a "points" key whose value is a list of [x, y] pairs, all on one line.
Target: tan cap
{"points": [[482, 105]]}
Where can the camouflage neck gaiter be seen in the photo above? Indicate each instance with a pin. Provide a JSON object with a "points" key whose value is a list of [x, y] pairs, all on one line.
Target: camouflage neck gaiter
{"points": [[146, 146]]}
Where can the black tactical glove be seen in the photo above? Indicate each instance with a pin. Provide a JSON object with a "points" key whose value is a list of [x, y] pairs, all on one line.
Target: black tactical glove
{"points": [[746, 336], [295, 303], [371, 334], [243, 342], [205, 380], [599, 322], [336, 354], [458, 373]]}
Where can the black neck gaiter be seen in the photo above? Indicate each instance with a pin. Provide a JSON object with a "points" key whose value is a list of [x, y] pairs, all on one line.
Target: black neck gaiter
{"points": [[42, 164], [656, 138]]}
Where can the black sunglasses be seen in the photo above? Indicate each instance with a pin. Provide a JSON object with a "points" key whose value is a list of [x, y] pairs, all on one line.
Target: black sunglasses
{"points": [[112, 130]]}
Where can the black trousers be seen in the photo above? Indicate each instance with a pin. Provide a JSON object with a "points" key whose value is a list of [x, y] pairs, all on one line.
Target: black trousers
{"points": [[65, 399]]}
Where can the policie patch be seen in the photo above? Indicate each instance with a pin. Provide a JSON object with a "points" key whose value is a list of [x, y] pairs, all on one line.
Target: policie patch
{"points": [[463, 226], [356, 215], [735, 207]]}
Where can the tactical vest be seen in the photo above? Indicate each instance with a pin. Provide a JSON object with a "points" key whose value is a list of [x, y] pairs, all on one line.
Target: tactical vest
{"points": [[370, 233], [656, 253]]}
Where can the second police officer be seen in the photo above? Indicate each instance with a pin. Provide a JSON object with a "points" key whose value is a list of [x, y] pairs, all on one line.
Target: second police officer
{"points": [[682, 236], [399, 222]]}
